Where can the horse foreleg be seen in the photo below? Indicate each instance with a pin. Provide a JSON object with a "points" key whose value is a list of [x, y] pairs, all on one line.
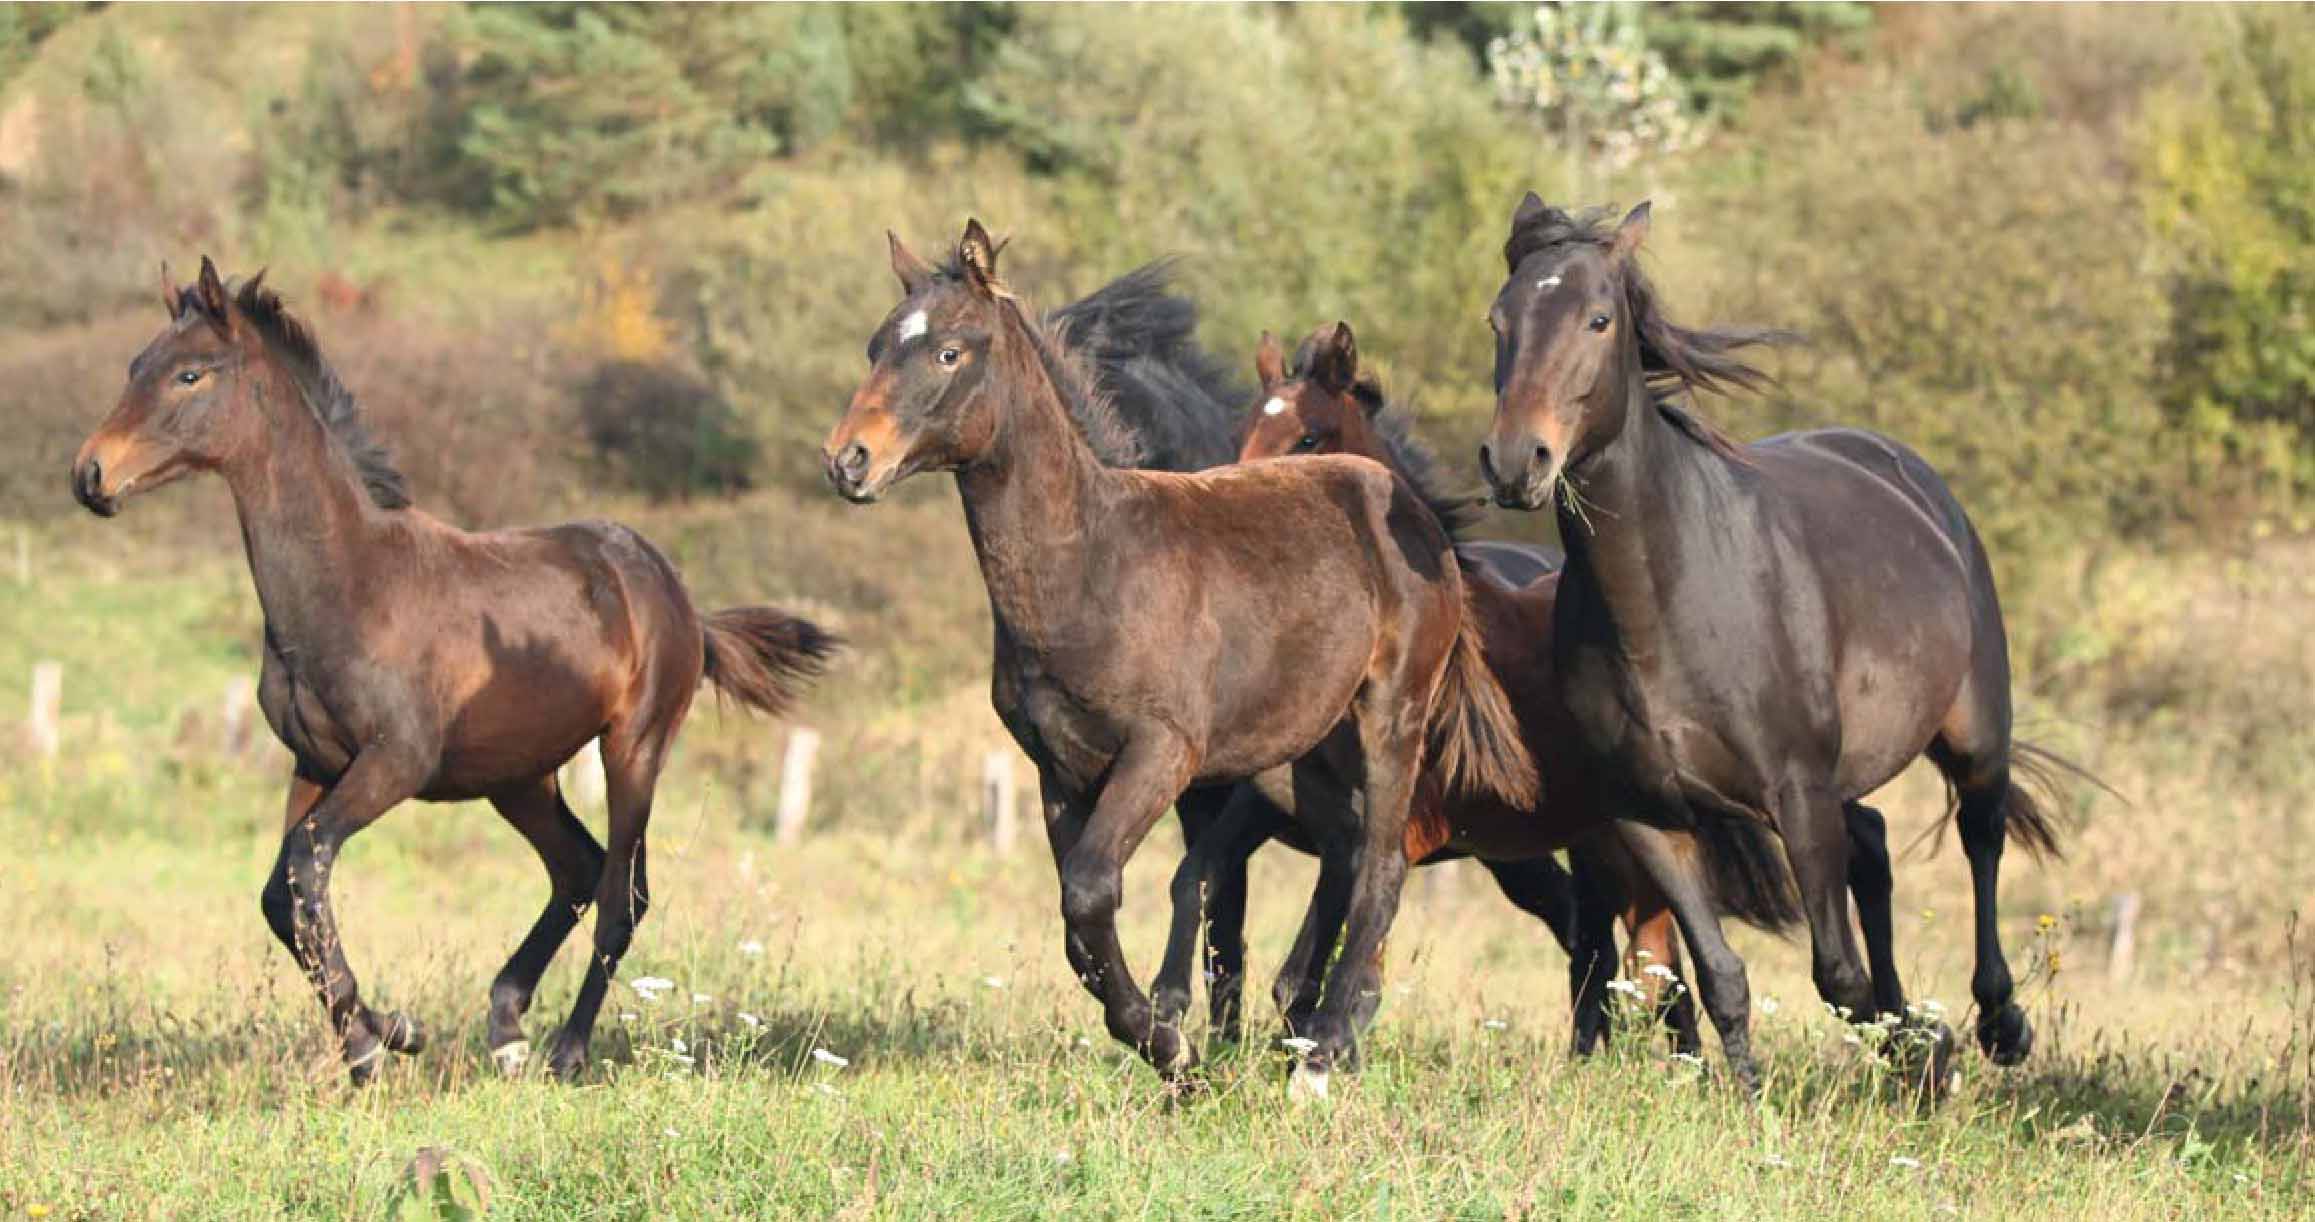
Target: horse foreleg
{"points": [[297, 900], [1147, 775]]}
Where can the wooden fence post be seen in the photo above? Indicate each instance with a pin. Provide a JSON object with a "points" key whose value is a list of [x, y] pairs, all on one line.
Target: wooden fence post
{"points": [[796, 784], [240, 696], [998, 797], [47, 705], [583, 778], [2122, 958]]}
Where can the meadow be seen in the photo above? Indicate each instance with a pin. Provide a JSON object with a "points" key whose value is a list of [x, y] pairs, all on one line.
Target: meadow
{"points": [[2053, 248]]}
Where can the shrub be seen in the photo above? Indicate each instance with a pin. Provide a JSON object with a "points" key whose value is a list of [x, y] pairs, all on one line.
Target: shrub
{"points": [[664, 432], [2230, 188]]}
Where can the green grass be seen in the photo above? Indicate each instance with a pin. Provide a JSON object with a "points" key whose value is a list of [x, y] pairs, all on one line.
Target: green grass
{"points": [[159, 1055]]}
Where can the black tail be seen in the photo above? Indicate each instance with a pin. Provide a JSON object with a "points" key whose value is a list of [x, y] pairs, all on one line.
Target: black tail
{"points": [[759, 656], [1142, 343], [1750, 876], [2032, 808]]}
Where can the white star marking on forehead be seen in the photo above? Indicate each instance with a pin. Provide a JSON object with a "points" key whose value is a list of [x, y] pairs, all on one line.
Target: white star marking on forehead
{"points": [[1548, 282], [1274, 407], [913, 326]]}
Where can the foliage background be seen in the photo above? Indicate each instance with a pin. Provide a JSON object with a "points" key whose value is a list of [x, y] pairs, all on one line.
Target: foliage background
{"points": [[620, 260]]}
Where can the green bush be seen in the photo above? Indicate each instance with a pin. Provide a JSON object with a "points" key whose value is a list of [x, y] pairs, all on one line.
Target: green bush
{"points": [[577, 111], [2230, 188]]}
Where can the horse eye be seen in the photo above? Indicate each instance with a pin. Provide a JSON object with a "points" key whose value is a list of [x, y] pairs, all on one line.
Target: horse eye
{"points": [[1599, 322], [186, 377], [948, 356], [1308, 441]]}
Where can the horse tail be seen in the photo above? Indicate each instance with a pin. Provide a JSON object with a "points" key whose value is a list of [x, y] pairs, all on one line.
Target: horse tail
{"points": [[1750, 876], [2032, 802], [2032, 806], [760, 655], [1475, 737]]}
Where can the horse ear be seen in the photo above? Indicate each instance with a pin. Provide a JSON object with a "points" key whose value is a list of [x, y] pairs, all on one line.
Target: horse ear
{"points": [[214, 301], [172, 299], [1632, 232], [978, 252], [1269, 361], [913, 272], [1529, 209], [1335, 363]]}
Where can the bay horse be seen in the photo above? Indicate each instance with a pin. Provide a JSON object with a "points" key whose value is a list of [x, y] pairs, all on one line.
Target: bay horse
{"points": [[1761, 631], [1324, 403], [1299, 622], [406, 658]]}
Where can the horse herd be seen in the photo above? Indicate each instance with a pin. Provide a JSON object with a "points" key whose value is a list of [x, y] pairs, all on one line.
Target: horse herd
{"points": [[1273, 626]]}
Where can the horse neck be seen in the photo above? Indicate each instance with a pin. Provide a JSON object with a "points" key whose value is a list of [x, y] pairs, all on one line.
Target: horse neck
{"points": [[1363, 437], [1032, 499], [305, 516], [1637, 502]]}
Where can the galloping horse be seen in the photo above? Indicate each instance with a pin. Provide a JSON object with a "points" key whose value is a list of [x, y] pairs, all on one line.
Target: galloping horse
{"points": [[1758, 631], [1298, 622], [1322, 404], [406, 658]]}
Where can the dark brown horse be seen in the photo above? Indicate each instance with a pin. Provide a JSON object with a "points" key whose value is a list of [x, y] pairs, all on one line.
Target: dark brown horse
{"points": [[1300, 622], [406, 658], [1322, 403], [1760, 632]]}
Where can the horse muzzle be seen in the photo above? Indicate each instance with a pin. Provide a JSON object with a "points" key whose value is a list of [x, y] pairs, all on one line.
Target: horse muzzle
{"points": [[1520, 472], [88, 489], [851, 472]]}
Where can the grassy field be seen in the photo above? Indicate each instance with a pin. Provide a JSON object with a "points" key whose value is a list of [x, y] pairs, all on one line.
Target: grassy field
{"points": [[159, 1056]]}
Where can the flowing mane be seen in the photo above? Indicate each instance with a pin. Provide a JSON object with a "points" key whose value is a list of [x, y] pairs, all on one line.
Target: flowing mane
{"points": [[1456, 509], [1074, 374], [1675, 360], [331, 403]]}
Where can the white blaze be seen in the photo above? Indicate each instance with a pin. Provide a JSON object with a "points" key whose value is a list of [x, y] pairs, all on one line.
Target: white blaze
{"points": [[913, 326], [1548, 282], [1274, 407]]}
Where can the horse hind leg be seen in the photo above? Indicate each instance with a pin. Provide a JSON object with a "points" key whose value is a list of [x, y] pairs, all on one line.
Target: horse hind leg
{"points": [[632, 759], [1923, 1043], [574, 865], [1972, 749]]}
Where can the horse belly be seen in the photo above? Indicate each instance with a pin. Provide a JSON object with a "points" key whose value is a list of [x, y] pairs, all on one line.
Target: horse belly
{"points": [[510, 728]]}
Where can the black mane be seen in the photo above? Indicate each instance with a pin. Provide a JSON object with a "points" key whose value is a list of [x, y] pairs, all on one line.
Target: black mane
{"points": [[1673, 358], [331, 402], [1170, 394], [1457, 510]]}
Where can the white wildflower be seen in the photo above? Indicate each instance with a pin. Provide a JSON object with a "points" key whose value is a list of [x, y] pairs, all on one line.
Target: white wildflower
{"points": [[1629, 988], [751, 1020], [1658, 970], [1495, 1024], [1298, 1045], [826, 1057], [1909, 1164], [1768, 1005], [649, 988], [752, 949], [700, 999], [993, 982]]}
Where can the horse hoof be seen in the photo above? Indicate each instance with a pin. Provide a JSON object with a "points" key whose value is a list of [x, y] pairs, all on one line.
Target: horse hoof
{"points": [[362, 1065], [1306, 1084], [512, 1057], [567, 1061], [1170, 1053], [403, 1034], [2006, 1037]]}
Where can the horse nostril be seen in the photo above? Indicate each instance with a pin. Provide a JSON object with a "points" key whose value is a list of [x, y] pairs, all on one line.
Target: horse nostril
{"points": [[1487, 463], [852, 462], [1543, 457]]}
